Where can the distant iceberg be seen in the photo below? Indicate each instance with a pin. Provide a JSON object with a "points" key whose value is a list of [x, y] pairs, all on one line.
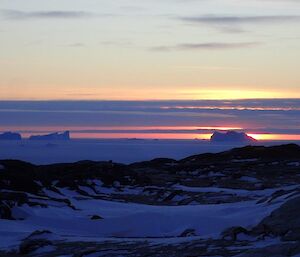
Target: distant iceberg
{"points": [[231, 137], [10, 136], [53, 136]]}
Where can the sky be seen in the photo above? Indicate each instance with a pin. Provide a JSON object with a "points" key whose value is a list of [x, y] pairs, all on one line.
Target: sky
{"points": [[150, 69], [272, 119], [149, 50]]}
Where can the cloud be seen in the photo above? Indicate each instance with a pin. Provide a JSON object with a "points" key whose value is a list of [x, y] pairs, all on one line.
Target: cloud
{"points": [[20, 15], [234, 24], [237, 20], [262, 115], [75, 45], [205, 46], [120, 43]]}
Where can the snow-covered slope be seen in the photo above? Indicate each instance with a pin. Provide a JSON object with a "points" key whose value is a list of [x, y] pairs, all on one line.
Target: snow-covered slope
{"points": [[225, 204]]}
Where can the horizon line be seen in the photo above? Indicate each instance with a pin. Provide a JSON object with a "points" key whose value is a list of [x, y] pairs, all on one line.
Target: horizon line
{"points": [[145, 100]]}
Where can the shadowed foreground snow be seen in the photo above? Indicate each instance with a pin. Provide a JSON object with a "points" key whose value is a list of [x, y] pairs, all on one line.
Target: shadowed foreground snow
{"points": [[232, 203], [127, 220]]}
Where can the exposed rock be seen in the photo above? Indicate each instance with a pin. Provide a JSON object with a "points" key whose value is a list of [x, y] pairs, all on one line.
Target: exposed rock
{"points": [[273, 154], [188, 233], [232, 233], [283, 222], [237, 176], [5, 210], [30, 245], [38, 233], [96, 217], [275, 250]]}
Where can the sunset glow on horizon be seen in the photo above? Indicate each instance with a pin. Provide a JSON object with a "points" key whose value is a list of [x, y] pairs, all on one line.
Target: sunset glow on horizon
{"points": [[150, 69], [98, 50], [179, 136], [149, 127], [125, 132], [275, 137], [265, 120], [259, 137], [133, 94]]}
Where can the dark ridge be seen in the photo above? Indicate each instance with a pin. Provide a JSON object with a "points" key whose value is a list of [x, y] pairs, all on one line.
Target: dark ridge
{"points": [[280, 152], [155, 163], [22, 176]]}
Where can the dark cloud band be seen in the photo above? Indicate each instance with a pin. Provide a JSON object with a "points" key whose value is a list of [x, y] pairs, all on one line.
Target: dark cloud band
{"points": [[20, 15], [205, 46], [223, 20]]}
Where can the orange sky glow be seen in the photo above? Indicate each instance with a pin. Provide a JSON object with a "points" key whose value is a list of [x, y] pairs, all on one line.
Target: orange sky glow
{"points": [[80, 132], [157, 135], [259, 137]]}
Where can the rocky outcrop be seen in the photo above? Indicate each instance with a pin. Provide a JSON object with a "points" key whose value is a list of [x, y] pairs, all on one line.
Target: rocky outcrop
{"points": [[5, 210], [267, 177], [34, 242], [284, 222], [247, 168], [275, 250]]}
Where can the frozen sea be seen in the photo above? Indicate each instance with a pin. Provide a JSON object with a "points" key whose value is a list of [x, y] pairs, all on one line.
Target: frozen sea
{"points": [[118, 150]]}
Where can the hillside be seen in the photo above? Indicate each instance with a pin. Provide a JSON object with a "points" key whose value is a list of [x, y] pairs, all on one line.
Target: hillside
{"points": [[242, 202]]}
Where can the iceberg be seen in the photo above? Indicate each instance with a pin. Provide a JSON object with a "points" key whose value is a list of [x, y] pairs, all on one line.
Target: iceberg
{"points": [[231, 137], [53, 136], [10, 136]]}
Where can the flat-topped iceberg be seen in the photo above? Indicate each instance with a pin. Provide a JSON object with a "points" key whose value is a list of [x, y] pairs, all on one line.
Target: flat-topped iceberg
{"points": [[231, 137], [53, 136], [10, 136]]}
